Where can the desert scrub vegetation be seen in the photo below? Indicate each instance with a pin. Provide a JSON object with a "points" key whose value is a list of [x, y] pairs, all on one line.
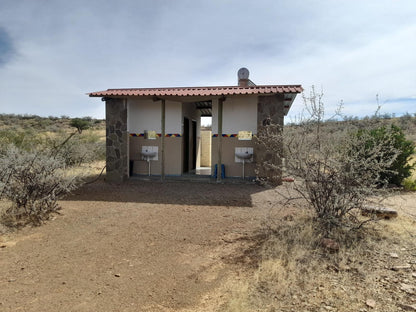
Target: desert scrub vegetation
{"points": [[77, 140], [32, 181], [339, 167], [393, 137], [38, 161], [319, 251]]}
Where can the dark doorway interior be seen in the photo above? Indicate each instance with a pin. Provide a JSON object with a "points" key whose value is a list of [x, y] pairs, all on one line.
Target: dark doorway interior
{"points": [[194, 136], [185, 145]]}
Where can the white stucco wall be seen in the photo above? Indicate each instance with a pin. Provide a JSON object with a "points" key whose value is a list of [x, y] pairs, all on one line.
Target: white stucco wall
{"points": [[173, 123], [146, 115], [239, 114]]}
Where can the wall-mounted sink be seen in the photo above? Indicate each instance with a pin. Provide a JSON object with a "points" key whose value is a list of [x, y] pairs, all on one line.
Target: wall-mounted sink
{"points": [[149, 154], [244, 155]]}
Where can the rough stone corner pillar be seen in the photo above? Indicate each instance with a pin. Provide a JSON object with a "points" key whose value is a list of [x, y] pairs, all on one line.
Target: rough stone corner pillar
{"points": [[116, 140], [270, 109]]}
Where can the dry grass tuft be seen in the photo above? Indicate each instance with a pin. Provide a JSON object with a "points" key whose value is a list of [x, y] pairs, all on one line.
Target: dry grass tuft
{"points": [[296, 274], [87, 171]]}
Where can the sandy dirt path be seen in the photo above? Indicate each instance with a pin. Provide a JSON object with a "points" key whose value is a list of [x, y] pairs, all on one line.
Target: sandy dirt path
{"points": [[142, 246]]}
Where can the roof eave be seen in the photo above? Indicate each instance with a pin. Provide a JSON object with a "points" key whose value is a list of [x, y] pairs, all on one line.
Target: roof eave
{"points": [[184, 92]]}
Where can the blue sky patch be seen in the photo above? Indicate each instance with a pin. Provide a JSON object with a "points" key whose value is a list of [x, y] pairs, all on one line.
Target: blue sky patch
{"points": [[402, 100], [6, 47]]}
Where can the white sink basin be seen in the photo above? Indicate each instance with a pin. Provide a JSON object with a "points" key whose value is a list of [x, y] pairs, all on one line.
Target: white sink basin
{"points": [[149, 153], [244, 155]]}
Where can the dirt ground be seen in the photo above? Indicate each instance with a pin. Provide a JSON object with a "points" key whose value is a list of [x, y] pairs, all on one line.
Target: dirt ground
{"points": [[140, 246]]}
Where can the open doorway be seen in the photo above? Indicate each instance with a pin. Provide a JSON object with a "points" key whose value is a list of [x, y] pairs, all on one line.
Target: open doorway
{"points": [[194, 144], [185, 145], [190, 145], [197, 138], [205, 146]]}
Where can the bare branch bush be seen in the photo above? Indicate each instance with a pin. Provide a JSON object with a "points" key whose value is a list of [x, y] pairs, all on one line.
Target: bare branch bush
{"points": [[80, 149], [33, 181], [338, 169]]}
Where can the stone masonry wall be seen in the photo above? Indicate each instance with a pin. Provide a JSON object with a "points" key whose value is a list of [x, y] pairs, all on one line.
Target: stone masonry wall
{"points": [[116, 140], [270, 109]]}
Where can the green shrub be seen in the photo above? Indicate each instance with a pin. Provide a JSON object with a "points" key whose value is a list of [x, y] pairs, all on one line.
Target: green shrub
{"points": [[409, 184], [22, 138], [394, 139]]}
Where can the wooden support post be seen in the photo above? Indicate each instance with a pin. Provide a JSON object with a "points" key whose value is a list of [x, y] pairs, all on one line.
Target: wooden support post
{"points": [[163, 121], [219, 169]]}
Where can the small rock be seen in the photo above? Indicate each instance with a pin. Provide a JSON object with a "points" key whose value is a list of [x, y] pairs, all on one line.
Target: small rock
{"points": [[117, 275], [414, 275], [371, 303], [379, 212], [407, 307], [410, 289], [3, 246], [401, 267], [394, 255], [288, 179], [330, 244]]}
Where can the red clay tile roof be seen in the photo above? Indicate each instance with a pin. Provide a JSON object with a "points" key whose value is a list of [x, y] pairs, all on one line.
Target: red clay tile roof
{"points": [[200, 91]]}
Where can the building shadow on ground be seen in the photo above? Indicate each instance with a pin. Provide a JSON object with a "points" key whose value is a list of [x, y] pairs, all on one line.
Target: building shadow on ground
{"points": [[174, 193]]}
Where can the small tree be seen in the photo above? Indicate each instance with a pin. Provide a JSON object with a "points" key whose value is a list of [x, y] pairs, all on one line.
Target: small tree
{"points": [[81, 124]]}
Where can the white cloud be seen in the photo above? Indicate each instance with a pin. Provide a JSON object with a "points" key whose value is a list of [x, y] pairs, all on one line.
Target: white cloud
{"points": [[353, 49]]}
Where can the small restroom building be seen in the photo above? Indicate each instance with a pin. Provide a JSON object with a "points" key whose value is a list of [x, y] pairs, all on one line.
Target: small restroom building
{"points": [[158, 131]]}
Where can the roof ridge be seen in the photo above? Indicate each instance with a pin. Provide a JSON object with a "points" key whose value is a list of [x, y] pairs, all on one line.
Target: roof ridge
{"points": [[201, 91], [208, 87]]}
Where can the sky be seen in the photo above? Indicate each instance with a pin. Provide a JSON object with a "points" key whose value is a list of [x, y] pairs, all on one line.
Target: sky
{"points": [[53, 52]]}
